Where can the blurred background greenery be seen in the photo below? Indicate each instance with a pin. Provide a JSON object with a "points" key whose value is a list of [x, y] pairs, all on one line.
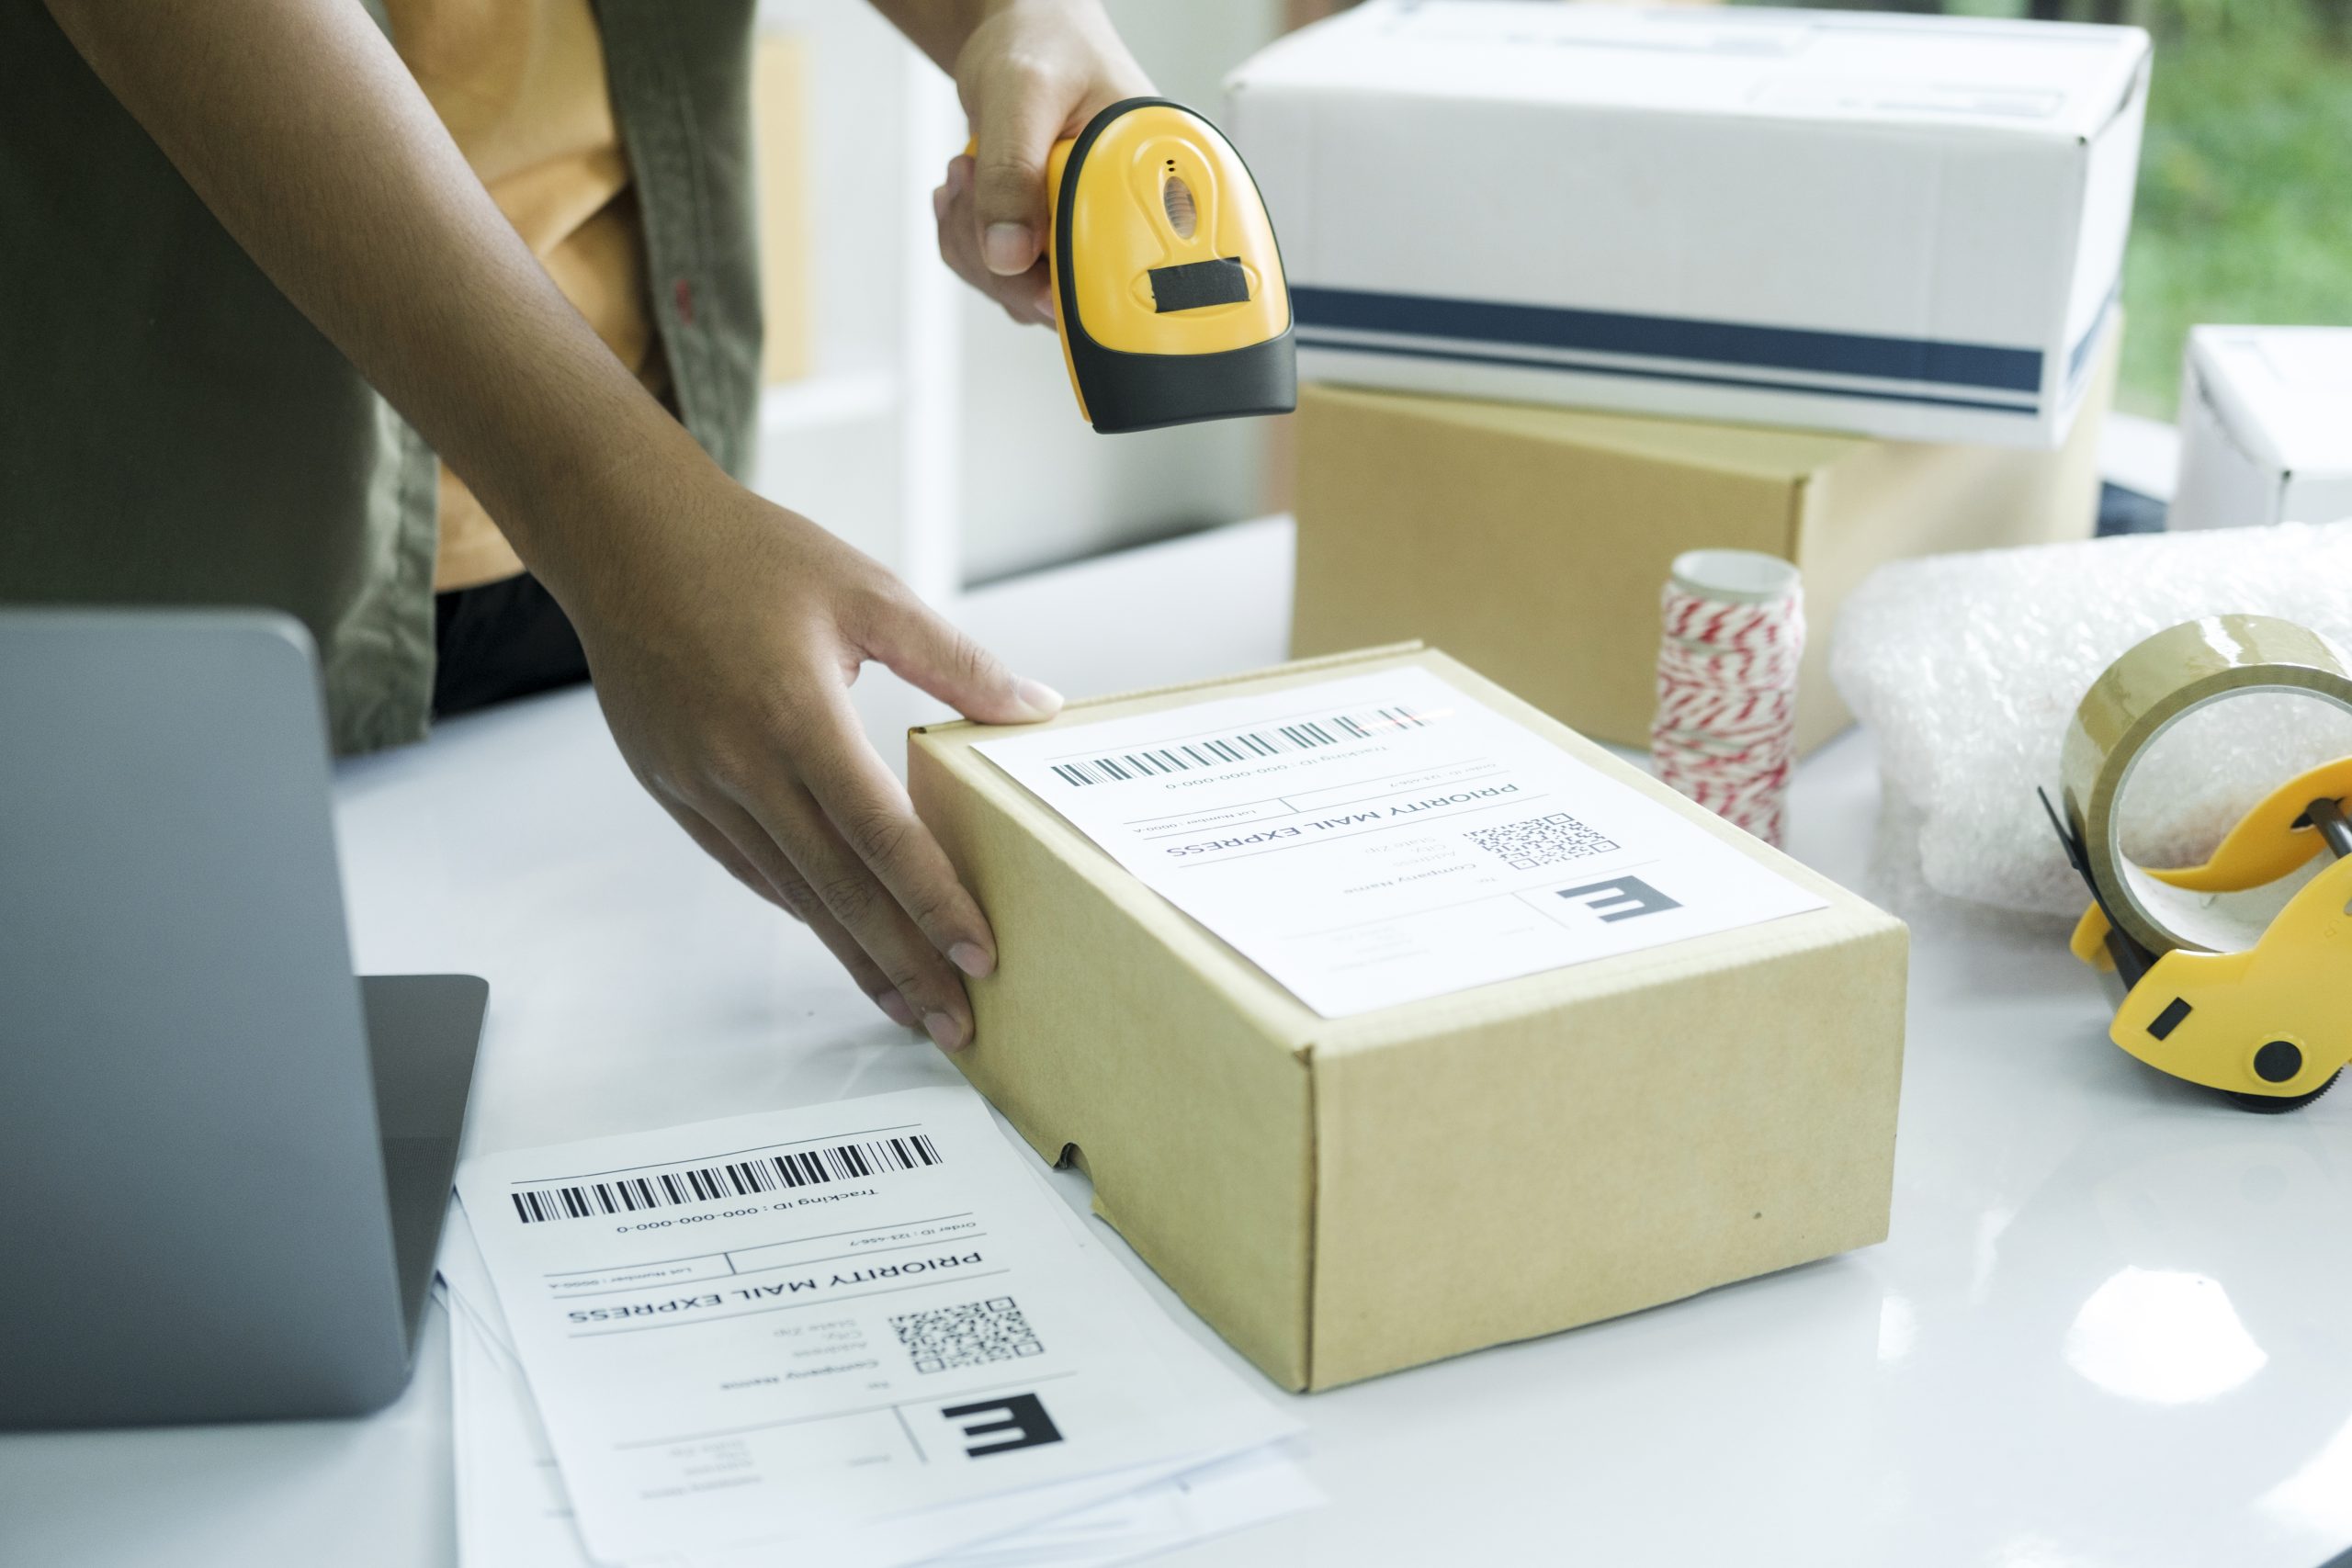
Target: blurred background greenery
{"points": [[2245, 208]]}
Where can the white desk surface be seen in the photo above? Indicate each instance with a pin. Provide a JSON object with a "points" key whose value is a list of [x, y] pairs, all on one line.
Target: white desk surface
{"points": [[2113, 1325]]}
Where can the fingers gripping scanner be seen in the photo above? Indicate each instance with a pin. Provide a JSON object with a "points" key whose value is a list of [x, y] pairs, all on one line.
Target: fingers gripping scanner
{"points": [[1167, 283], [2237, 972]]}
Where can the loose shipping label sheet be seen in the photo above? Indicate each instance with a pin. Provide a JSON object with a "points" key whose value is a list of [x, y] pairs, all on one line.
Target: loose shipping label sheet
{"points": [[859, 1329], [1384, 838], [512, 1509]]}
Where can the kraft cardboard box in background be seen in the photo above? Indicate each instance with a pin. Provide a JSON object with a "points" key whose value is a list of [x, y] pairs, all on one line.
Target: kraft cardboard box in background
{"points": [[1908, 226], [2265, 427], [1345, 1197], [1533, 542]]}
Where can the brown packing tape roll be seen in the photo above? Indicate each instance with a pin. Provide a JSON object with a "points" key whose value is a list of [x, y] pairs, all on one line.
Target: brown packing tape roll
{"points": [[2141, 694]]}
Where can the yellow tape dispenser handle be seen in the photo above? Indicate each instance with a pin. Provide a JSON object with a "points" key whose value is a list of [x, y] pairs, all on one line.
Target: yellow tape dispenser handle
{"points": [[2266, 1020], [2267, 1024]]}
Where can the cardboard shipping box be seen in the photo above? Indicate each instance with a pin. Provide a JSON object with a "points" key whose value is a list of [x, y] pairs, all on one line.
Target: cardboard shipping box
{"points": [[1345, 1197], [1908, 226], [1533, 542], [2265, 427]]}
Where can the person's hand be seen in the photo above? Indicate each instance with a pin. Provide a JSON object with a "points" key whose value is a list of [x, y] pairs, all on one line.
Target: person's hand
{"points": [[722, 631], [724, 671], [1031, 73]]}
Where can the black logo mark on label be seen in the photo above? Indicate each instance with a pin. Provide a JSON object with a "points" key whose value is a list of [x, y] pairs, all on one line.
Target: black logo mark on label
{"points": [[1022, 1414], [1621, 898]]}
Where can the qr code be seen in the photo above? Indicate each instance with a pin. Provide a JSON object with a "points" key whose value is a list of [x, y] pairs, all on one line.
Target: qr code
{"points": [[1540, 840], [966, 1336]]}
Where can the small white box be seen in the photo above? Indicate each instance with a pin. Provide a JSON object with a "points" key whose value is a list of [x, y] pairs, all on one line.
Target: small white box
{"points": [[2265, 427], [1900, 226]]}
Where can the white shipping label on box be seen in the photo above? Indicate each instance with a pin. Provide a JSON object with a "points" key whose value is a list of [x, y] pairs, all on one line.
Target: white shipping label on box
{"points": [[817, 1328], [1384, 838]]}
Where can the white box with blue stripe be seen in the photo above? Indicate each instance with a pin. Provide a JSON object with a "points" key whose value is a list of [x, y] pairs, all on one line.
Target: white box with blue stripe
{"points": [[1902, 226]]}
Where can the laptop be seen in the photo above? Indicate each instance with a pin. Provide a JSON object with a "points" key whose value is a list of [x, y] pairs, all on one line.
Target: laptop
{"points": [[224, 1160]]}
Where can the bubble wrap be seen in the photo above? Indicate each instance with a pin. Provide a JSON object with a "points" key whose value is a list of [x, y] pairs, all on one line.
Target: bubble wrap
{"points": [[1968, 668]]}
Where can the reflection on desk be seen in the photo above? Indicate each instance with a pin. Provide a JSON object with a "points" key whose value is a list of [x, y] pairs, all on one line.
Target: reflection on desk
{"points": [[2110, 1330]]}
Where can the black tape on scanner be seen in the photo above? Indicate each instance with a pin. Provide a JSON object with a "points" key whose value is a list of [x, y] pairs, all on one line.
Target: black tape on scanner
{"points": [[1195, 284]]}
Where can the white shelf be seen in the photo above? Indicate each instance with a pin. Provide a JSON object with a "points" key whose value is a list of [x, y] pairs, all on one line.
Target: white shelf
{"points": [[832, 397]]}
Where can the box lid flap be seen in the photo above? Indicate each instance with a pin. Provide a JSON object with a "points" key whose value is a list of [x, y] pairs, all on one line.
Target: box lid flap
{"points": [[2284, 394], [1971, 75]]}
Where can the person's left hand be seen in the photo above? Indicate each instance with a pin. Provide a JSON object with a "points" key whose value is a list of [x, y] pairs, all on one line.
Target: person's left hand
{"points": [[1031, 73]]}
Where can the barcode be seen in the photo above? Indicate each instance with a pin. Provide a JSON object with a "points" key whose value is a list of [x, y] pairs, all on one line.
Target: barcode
{"points": [[1249, 746], [725, 1180]]}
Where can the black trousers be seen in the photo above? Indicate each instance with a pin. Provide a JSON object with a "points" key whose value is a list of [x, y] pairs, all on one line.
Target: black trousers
{"points": [[500, 641]]}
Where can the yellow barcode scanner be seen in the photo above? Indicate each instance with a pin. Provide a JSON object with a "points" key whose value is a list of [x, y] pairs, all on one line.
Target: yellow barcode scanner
{"points": [[1168, 286]]}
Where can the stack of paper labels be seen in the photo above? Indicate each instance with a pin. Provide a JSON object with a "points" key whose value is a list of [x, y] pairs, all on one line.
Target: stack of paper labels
{"points": [[864, 1330]]}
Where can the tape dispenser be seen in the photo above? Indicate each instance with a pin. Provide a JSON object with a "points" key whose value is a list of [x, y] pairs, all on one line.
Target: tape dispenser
{"points": [[2237, 973], [1168, 286]]}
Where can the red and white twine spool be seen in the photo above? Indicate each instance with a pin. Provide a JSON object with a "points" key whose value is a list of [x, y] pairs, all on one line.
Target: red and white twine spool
{"points": [[1726, 731]]}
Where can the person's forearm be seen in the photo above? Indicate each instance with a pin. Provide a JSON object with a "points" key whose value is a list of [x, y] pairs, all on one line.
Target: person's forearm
{"points": [[1029, 72], [299, 128], [721, 631], [939, 28]]}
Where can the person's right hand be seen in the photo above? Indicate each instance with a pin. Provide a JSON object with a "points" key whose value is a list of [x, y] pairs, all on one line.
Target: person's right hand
{"points": [[724, 671], [1029, 72]]}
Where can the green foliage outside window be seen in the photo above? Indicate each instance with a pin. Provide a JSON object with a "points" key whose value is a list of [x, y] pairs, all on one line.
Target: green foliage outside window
{"points": [[2244, 206]]}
